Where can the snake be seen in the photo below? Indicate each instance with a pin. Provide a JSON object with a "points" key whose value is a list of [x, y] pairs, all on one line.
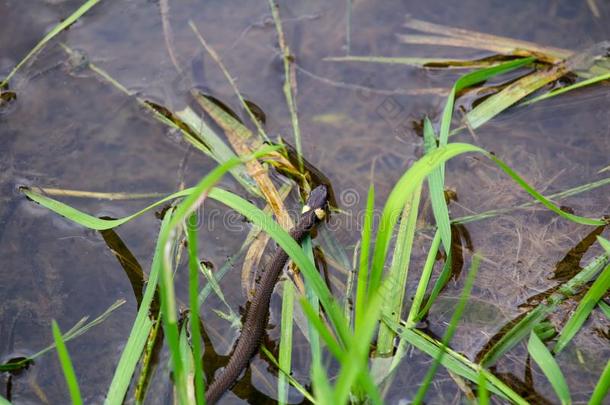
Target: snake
{"points": [[256, 317]]}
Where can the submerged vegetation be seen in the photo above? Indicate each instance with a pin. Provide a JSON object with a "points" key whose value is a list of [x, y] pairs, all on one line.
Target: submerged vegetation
{"points": [[363, 334]]}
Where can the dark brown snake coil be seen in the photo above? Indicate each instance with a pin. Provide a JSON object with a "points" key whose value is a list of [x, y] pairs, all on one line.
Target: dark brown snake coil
{"points": [[256, 315]]}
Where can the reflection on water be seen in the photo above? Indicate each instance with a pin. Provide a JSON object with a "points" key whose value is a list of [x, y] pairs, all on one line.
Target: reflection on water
{"points": [[64, 127]]}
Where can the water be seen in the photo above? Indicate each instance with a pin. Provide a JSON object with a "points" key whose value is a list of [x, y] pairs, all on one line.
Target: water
{"points": [[69, 129]]}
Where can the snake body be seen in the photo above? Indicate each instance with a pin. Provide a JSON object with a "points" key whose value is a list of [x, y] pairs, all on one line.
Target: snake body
{"points": [[256, 313]]}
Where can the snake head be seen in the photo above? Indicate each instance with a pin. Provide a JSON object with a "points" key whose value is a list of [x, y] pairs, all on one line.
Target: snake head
{"points": [[317, 201]]}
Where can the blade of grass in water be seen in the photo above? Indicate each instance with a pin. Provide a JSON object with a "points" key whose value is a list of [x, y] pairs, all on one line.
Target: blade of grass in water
{"points": [[563, 194], [424, 279], [511, 94], [314, 337], [321, 385], [457, 314], [605, 308], [398, 273], [66, 366], [471, 79], [586, 305], [191, 231], [139, 332], [545, 360], [289, 377], [482, 389], [365, 246], [50, 35], [453, 361], [571, 87], [522, 328], [602, 387], [285, 359], [437, 191], [77, 330]]}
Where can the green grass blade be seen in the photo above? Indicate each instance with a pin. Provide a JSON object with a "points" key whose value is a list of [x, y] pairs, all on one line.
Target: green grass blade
{"points": [[510, 95], [50, 35], [482, 390], [562, 194], [365, 247], [586, 305], [289, 377], [436, 184], [312, 298], [453, 361], [424, 279], [217, 147], [571, 87], [4, 401], [457, 314], [191, 232], [522, 328], [396, 280], [139, 332], [66, 366], [77, 330], [89, 221], [605, 243], [313, 317], [544, 201], [471, 79], [285, 359], [354, 365], [602, 387], [321, 386], [186, 357], [605, 308], [545, 360]]}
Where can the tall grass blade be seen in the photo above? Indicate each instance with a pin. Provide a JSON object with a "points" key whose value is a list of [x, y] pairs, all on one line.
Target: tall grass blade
{"points": [[396, 280], [139, 332], [602, 387], [482, 389], [285, 359], [191, 232], [571, 87], [471, 79], [312, 298], [302, 390], [457, 314], [424, 279], [66, 366], [586, 305], [511, 94], [365, 248], [545, 360]]}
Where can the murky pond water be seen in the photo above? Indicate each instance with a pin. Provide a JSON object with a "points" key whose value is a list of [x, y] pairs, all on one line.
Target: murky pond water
{"points": [[70, 129]]}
